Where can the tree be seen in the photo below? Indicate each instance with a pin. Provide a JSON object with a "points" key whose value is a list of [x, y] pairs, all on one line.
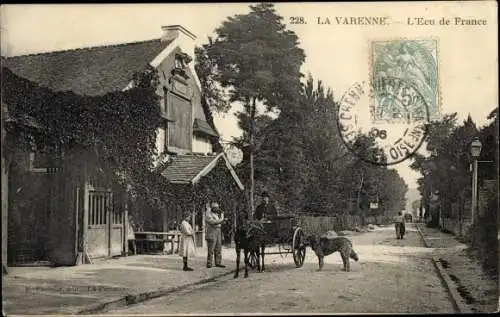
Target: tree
{"points": [[438, 133], [446, 169], [326, 154], [213, 97], [485, 230], [301, 168], [489, 152], [259, 61], [313, 170], [213, 94], [394, 191]]}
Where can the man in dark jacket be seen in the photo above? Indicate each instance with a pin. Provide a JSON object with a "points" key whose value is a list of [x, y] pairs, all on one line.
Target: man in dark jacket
{"points": [[265, 209]]}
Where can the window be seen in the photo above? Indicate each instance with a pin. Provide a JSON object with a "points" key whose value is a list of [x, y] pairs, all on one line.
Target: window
{"points": [[40, 161], [101, 207], [178, 62], [182, 60], [162, 136]]}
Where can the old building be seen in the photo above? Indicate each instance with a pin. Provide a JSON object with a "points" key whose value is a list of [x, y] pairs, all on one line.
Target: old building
{"points": [[87, 221]]}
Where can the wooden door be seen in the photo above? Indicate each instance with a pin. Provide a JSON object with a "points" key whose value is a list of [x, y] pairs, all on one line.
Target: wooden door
{"points": [[105, 233]]}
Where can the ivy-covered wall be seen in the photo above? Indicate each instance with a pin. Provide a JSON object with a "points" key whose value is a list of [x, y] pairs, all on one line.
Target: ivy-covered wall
{"points": [[109, 138], [29, 212]]}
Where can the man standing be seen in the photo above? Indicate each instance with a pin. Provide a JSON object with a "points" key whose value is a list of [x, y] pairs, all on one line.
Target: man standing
{"points": [[265, 209], [214, 220]]}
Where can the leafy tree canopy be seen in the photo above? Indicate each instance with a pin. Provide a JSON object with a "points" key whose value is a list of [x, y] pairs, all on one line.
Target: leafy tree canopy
{"points": [[303, 162], [257, 57], [447, 169]]}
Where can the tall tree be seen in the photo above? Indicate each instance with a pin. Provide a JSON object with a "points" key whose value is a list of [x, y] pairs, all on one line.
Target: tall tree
{"points": [[489, 151], [213, 98], [446, 168], [259, 60], [326, 155]]}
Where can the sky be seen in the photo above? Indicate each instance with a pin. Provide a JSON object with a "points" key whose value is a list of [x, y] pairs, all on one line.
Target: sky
{"points": [[336, 54]]}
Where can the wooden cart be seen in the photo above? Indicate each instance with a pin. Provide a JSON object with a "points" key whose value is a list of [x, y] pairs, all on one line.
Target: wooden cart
{"points": [[285, 232]]}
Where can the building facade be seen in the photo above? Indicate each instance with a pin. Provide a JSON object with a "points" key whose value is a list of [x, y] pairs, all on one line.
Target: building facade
{"points": [[85, 221]]}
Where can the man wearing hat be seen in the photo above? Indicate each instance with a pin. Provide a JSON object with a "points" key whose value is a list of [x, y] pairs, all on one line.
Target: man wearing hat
{"points": [[214, 219], [265, 209]]}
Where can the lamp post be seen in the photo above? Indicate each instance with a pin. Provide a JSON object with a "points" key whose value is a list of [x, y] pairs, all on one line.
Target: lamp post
{"points": [[475, 150]]}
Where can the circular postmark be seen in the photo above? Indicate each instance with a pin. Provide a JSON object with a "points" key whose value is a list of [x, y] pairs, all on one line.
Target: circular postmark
{"points": [[385, 121], [376, 141]]}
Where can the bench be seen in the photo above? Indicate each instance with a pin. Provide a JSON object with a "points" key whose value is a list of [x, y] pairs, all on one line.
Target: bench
{"points": [[150, 241]]}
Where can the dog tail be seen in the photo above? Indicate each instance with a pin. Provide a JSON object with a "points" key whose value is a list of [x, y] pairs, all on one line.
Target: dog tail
{"points": [[354, 256]]}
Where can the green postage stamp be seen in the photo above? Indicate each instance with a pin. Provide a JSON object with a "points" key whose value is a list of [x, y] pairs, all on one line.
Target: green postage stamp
{"points": [[404, 81], [403, 98]]}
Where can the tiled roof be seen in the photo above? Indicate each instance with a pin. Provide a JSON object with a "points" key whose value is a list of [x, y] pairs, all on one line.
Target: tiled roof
{"points": [[188, 168], [87, 71], [184, 168]]}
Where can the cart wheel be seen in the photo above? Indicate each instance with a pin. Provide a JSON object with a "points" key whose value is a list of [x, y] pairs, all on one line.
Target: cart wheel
{"points": [[252, 260], [298, 247]]}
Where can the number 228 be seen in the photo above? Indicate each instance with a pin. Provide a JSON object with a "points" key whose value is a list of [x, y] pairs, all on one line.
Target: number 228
{"points": [[297, 20]]}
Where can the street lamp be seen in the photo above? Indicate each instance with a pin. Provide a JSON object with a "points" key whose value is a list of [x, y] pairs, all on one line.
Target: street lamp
{"points": [[475, 150]]}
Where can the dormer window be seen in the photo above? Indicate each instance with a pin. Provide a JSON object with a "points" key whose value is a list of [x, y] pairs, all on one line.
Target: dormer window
{"points": [[180, 63]]}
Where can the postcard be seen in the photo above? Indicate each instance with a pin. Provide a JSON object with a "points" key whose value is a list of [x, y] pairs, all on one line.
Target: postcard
{"points": [[250, 158]]}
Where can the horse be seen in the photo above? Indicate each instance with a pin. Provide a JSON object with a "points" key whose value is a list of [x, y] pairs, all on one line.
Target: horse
{"points": [[250, 237]]}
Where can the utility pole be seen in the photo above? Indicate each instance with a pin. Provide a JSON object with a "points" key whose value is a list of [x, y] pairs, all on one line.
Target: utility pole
{"points": [[474, 191], [358, 198], [475, 148]]}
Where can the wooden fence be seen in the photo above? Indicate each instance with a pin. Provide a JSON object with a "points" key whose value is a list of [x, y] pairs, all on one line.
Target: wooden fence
{"points": [[320, 224]]}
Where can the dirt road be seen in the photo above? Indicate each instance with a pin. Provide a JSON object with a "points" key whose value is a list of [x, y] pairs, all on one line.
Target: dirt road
{"points": [[392, 276]]}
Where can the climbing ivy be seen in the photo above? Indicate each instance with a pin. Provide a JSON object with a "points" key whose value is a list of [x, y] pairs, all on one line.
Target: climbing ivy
{"points": [[113, 134]]}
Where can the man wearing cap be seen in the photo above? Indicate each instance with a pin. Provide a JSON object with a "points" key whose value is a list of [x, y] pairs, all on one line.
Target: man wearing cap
{"points": [[214, 219], [265, 209]]}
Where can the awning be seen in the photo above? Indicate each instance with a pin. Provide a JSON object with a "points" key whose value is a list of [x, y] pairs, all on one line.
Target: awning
{"points": [[201, 126], [190, 168]]}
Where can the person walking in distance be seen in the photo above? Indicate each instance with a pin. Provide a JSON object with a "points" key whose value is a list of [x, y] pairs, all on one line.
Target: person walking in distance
{"points": [[399, 225], [214, 219], [187, 246]]}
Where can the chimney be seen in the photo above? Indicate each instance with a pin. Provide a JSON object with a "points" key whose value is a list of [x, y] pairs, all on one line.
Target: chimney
{"points": [[185, 38], [172, 32]]}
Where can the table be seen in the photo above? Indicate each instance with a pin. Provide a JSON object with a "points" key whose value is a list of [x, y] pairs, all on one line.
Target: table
{"points": [[149, 240]]}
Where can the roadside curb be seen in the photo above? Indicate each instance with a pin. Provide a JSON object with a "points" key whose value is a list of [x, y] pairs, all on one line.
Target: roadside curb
{"points": [[143, 296], [427, 245], [456, 300]]}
